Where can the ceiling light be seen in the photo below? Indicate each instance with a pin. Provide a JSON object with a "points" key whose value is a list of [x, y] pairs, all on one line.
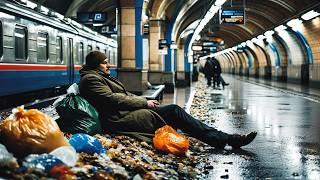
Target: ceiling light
{"points": [[97, 24], [309, 15], [243, 44], [269, 33], [294, 22], [261, 37], [219, 2], [255, 40], [249, 43], [280, 28]]}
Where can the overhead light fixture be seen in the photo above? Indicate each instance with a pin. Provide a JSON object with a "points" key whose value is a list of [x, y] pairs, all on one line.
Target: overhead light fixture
{"points": [[234, 48], [219, 2], [280, 28], [97, 24], [309, 15], [243, 44], [269, 33], [255, 40], [249, 43], [294, 22], [196, 48], [261, 37]]}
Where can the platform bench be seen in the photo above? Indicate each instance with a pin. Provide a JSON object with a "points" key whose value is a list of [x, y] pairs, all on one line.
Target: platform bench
{"points": [[154, 92]]}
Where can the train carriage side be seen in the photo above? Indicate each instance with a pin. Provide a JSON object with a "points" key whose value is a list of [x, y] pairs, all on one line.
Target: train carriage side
{"points": [[39, 53], [29, 61]]}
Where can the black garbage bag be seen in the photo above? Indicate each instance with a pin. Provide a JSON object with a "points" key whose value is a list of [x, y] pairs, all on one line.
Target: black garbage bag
{"points": [[77, 116]]}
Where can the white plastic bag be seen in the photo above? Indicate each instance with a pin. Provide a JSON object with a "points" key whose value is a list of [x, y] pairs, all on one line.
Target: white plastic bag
{"points": [[67, 154], [73, 89]]}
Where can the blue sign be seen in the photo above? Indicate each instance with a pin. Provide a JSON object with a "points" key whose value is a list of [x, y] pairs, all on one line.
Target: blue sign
{"points": [[232, 16], [91, 17]]}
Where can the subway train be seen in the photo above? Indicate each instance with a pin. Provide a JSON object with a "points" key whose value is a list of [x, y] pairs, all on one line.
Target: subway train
{"points": [[42, 52]]}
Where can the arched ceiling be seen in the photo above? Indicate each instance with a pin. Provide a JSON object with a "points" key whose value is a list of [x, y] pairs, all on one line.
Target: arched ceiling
{"points": [[261, 15]]}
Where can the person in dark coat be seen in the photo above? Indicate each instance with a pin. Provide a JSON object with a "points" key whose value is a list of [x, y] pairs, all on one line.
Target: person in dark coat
{"points": [[217, 78], [208, 71], [121, 111], [212, 72]]}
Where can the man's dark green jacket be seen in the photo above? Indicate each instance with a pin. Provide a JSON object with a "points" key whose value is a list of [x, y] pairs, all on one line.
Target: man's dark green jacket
{"points": [[119, 110]]}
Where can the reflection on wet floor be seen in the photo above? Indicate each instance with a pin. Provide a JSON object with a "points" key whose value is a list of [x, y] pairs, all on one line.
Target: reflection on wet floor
{"points": [[288, 141]]}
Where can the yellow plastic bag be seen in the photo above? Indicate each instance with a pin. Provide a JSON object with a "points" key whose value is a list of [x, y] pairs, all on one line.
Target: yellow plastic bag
{"points": [[30, 131], [169, 140]]}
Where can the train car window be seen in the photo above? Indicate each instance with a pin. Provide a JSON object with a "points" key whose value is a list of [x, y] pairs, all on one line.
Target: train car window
{"points": [[42, 44], [89, 48], [59, 50], [1, 40], [20, 42], [81, 53], [105, 52]]}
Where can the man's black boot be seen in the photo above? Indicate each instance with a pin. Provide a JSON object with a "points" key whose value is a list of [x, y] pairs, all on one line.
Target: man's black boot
{"points": [[237, 141]]}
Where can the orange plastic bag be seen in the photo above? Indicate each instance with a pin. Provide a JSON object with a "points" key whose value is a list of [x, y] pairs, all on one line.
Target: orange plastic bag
{"points": [[30, 131], [169, 140]]}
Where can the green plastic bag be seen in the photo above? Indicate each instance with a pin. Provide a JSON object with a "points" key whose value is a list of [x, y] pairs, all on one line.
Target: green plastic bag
{"points": [[77, 116]]}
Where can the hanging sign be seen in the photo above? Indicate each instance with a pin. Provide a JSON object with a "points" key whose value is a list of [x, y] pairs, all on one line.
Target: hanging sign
{"points": [[232, 16]]}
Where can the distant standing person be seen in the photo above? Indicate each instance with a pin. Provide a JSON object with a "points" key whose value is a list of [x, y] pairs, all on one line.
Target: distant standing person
{"points": [[217, 78], [212, 72], [208, 71]]}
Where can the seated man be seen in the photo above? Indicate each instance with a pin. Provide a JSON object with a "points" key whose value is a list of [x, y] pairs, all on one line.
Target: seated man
{"points": [[121, 111]]}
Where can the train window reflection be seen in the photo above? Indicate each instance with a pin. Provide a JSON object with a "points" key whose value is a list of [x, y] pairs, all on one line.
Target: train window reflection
{"points": [[42, 46], [89, 48], [59, 49], [81, 53], [20, 42]]}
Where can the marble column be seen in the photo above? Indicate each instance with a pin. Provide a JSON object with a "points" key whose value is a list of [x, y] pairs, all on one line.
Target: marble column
{"points": [[131, 72], [156, 60]]}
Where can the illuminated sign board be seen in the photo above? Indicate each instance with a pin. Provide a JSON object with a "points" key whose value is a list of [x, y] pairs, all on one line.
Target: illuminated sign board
{"points": [[208, 44], [196, 48], [163, 43], [91, 17], [232, 16], [108, 29]]}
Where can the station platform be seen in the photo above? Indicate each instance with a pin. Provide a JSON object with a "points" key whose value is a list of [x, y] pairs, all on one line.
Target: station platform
{"points": [[286, 117]]}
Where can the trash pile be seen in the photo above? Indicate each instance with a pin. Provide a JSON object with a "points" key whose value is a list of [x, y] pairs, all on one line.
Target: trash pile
{"points": [[33, 147]]}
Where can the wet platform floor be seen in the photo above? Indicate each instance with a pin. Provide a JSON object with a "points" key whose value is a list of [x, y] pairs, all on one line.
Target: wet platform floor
{"points": [[288, 126]]}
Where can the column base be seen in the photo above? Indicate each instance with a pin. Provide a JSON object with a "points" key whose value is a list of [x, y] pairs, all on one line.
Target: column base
{"points": [[155, 77], [183, 79], [168, 81], [134, 80]]}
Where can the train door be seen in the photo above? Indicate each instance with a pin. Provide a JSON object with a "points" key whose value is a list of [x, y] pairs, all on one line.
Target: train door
{"points": [[70, 60]]}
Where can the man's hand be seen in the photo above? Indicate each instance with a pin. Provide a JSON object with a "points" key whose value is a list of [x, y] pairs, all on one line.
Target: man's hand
{"points": [[152, 104]]}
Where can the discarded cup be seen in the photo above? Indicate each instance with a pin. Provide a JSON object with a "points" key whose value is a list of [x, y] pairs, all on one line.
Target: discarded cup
{"points": [[67, 154]]}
